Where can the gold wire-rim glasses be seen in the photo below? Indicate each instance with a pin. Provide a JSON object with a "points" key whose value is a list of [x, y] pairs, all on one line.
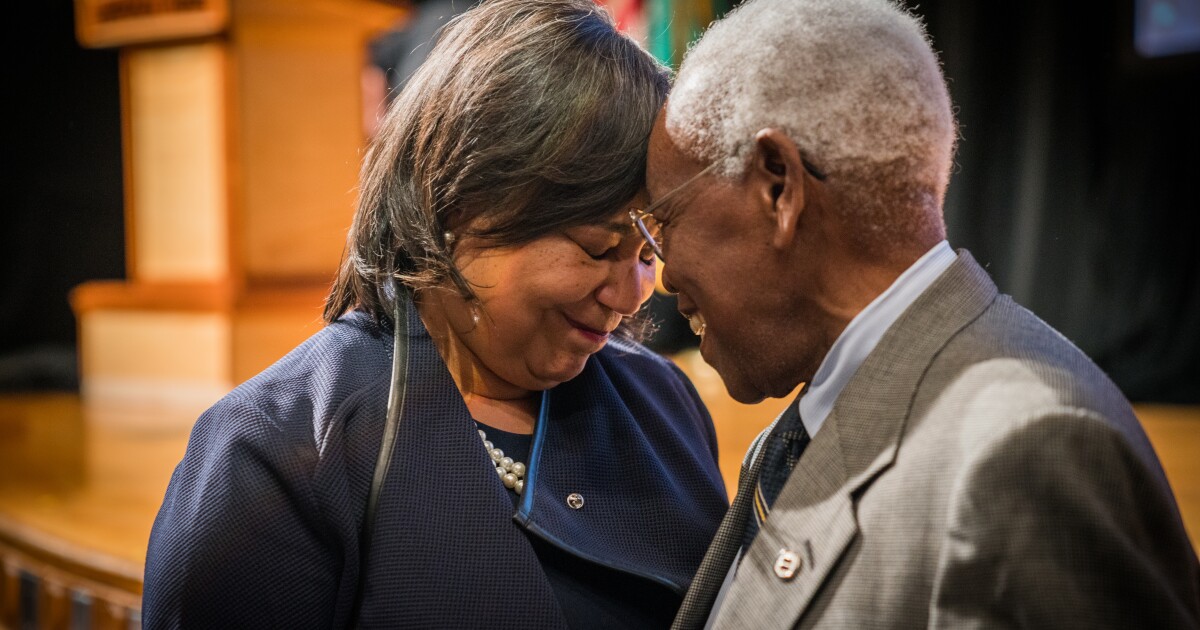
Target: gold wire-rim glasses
{"points": [[653, 232], [639, 216]]}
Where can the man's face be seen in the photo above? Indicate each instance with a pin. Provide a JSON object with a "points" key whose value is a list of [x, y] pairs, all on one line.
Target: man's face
{"points": [[717, 244]]}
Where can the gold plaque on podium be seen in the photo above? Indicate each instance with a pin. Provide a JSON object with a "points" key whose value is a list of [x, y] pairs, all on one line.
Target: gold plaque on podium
{"points": [[105, 23]]}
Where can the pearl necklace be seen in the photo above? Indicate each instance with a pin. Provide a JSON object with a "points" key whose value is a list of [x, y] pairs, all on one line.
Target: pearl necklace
{"points": [[511, 473]]}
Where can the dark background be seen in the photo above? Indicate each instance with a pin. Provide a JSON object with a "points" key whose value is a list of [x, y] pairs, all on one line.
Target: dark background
{"points": [[63, 219], [1074, 184], [1076, 178]]}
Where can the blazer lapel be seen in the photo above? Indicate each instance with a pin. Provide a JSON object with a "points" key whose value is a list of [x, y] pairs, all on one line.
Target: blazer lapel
{"points": [[444, 518], [698, 602], [818, 534], [814, 516]]}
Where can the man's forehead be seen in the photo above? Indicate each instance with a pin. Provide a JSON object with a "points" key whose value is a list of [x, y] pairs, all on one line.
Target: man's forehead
{"points": [[666, 163]]}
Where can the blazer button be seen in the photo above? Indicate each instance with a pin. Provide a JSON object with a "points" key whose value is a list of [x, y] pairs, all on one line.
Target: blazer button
{"points": [[575, 500], [786, 564]]}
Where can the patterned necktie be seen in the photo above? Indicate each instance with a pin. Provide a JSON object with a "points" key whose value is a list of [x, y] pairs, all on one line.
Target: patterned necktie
{"points": [[781, 451]]}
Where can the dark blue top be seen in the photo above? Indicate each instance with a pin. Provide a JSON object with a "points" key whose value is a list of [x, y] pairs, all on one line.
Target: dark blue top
{"points": [[591, 596], [261, 523]]}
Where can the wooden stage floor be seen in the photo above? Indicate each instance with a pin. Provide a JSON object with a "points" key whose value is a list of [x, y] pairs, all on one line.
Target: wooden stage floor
{"points": [[79, 488]]}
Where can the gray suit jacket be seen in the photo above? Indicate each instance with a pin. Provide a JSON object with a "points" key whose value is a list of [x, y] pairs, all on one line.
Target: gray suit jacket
{"points": [[977, 471]]}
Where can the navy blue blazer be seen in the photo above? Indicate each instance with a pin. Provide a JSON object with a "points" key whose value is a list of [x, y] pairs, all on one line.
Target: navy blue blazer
{"points": [[262, 521]]}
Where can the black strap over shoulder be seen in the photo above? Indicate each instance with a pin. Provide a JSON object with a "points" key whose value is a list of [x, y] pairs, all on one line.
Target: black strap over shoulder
{"points": [[391, 427]]}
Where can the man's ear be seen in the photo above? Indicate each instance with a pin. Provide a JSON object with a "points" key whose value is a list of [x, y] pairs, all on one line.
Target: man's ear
{"points": [[780, 173]]}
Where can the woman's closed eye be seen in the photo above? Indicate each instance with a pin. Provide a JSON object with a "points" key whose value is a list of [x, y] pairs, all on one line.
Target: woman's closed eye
{"points": [[646, 256], [600, 253], [610, 249]]}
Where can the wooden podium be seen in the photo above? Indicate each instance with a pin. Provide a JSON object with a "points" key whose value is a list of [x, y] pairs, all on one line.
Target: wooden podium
{"points": [[243, 131]]}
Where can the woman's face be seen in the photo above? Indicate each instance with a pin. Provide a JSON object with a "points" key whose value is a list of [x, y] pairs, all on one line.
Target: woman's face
{"points": [[544, 306]]}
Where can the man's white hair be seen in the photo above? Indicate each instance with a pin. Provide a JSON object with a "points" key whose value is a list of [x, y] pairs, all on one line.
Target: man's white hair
{"points": [[855, 83]]}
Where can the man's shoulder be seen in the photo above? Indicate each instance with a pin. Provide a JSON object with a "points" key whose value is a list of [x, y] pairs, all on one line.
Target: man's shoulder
{"points": [[1011, 354], [1009, 374]]}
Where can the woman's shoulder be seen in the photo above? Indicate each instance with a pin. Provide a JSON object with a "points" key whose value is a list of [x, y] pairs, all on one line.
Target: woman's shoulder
{"points": [[657, 388], [315, 384], [623, 351], [627, 359]]}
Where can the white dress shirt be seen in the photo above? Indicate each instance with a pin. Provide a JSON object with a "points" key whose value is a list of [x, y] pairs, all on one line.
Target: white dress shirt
{"points": [[863, 333]]}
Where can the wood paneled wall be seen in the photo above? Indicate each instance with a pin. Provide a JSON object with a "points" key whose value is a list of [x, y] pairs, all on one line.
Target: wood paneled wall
{"points": [[242, 150]]}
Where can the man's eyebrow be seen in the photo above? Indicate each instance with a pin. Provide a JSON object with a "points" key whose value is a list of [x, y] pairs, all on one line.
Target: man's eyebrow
{"points": [[658, 204], [615, 226], [664, 203]]}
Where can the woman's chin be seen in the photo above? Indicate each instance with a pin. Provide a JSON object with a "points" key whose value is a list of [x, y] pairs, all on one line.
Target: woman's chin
{"points": [[560, 371]]}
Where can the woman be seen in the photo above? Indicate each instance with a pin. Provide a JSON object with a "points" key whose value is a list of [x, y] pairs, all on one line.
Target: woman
{"points": [[543, 471]]}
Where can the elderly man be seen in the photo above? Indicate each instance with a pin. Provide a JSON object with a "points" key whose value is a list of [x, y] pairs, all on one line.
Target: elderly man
{"points": [[952, 461]]}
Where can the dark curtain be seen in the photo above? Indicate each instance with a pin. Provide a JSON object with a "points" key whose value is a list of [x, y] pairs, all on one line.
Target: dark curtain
{"points": [[1075, 179], [62, 219]]}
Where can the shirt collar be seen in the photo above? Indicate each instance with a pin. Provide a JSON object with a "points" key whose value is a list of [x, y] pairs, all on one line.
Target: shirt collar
{"points": [[864, 332]]}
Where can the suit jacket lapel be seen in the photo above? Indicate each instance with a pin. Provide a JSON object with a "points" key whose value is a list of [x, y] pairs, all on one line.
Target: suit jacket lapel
{"points": [[758, 598], [814, 514], [706, 585]]}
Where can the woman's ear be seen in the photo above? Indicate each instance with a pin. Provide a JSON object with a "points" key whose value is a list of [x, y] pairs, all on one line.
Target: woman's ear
{"points": [[780, 173]]}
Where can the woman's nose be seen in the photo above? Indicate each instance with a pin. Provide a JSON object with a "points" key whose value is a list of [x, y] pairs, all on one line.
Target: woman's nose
{"points": [[629, 285]]}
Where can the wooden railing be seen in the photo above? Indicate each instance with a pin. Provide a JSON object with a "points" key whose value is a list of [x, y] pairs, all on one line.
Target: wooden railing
{"points": [[79, 489], [45, 588]]}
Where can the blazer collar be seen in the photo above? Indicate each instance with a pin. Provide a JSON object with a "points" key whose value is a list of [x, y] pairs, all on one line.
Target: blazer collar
{"points": [[869, 417], [440, 479], [814, 515], [586, 428]]}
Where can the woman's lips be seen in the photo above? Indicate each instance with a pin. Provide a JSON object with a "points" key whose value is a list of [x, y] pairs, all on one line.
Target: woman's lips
{"points": [[592, 334]]}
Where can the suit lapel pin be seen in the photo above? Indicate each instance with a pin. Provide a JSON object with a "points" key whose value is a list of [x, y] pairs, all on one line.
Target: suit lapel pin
{"points": [[786, 564]]}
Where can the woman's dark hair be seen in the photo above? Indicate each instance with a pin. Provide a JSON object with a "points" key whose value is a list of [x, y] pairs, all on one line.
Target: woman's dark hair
{"points": [[531, 115]]}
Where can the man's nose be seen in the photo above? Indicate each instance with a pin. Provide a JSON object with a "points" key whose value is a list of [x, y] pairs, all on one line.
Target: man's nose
{"points": [[666, 281]]}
